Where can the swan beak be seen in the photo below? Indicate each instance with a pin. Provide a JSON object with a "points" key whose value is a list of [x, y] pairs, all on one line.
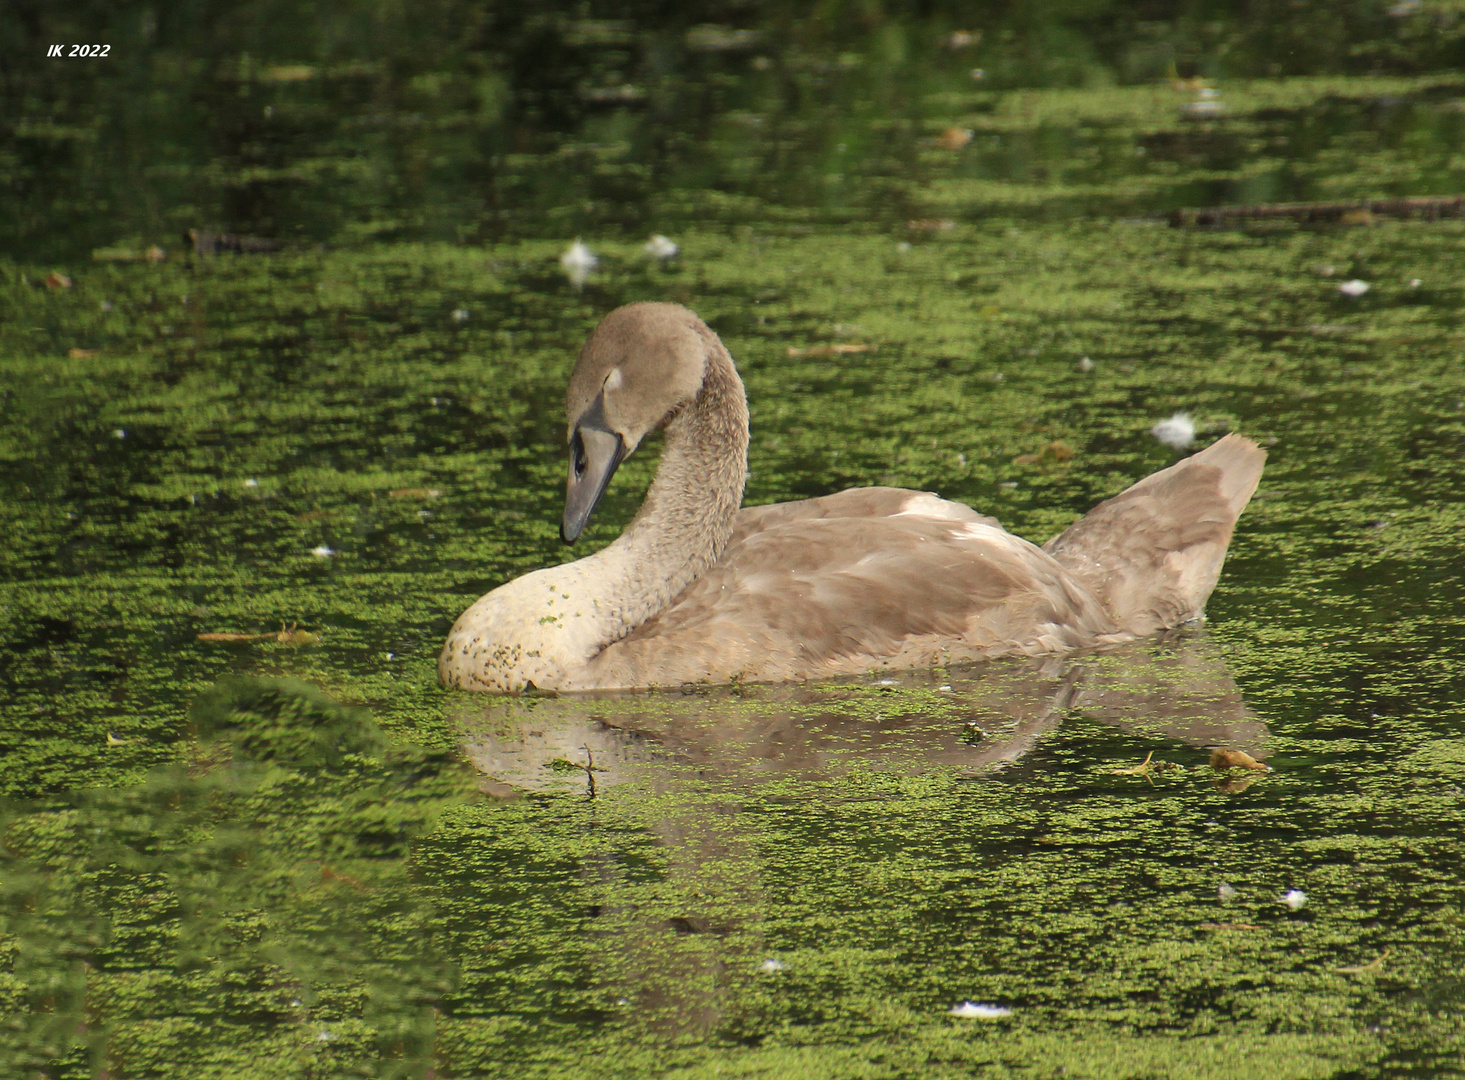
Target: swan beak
{"points": [[594, 455]]}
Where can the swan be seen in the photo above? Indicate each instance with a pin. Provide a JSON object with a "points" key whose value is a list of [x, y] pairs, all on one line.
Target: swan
{"points": [[699, 590]]}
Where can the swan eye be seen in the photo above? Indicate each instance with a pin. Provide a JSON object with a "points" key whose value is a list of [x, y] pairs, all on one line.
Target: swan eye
{"points": [[578, 460]]}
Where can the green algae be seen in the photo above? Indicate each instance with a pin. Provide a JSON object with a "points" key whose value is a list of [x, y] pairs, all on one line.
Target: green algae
{"points": [[250, 858]]}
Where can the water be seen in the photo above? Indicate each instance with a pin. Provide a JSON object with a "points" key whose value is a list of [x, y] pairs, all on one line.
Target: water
{"points": [[300, 857]]}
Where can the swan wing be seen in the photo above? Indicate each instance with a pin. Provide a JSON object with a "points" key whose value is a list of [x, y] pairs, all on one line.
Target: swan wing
{"points": [[868, 578], [1153, 553]]}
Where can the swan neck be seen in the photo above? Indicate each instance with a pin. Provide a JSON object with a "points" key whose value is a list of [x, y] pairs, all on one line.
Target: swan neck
{"points": [[687, 518]]}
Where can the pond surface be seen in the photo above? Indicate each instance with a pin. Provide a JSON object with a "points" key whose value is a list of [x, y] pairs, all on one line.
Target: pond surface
{"points": [[284, 850]]}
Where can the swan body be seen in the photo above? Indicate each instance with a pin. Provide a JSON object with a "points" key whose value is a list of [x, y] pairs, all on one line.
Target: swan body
{"points": [[698, 590]]}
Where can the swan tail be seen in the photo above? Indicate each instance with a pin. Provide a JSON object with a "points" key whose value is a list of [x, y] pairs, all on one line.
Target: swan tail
{"points": [[1152, 554]]}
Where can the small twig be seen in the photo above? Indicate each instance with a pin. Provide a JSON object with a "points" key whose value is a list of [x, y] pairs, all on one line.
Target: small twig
{"points": [[1365, 969], [589, 770], [1142, 769]]}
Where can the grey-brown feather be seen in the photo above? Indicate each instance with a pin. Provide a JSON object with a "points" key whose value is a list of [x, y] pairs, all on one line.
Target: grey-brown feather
{"points": [[1153, 553], [847, 582]]}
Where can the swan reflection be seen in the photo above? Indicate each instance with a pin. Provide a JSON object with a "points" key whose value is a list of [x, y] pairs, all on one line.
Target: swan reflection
{"points": [[698, 772], [975, 720]]}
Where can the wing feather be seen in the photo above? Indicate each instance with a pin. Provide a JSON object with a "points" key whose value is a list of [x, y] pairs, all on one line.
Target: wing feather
{"points": [[861, 579]]}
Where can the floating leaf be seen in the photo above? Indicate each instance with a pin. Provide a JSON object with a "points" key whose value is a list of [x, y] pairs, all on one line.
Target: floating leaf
{"points": [[1055, 451], [953, 138], [57, 281], [838, 348], [1221, 760], [1229, 926], [414, 493]]}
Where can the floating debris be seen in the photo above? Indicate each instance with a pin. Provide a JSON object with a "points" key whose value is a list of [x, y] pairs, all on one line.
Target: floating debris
{"points": [[153, 254], [210, 243], [1086, 365], [712, 38], [1142, 769], [1177, 432], [119, 433], [1432, 208], [322, 551], [81, 354], [1354, 288], [625, 94], [114, 740], [251, 483], [1206, 107], [414, 493], [962, 39], [838, 348], [1229, 926], [287, 635], [578, 263], [953, 138], [772, 966], [1226, 892], [972, 1010], [1147, 768], [1055, 451], [661, 248], [460, 315], [1294, 899], [931, 225], [1221, 760], [1370, 968], [56, 280]]}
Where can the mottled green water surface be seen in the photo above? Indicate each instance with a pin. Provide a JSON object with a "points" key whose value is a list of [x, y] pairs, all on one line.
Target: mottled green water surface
{"points": [[298, 856]]}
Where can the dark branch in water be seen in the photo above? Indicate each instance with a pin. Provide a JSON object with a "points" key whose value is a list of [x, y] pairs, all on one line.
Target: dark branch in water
{"points": [[1349, 212]]}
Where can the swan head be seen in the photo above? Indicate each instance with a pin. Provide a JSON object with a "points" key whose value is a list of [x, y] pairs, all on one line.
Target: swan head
{"points": [[639, 367]]}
